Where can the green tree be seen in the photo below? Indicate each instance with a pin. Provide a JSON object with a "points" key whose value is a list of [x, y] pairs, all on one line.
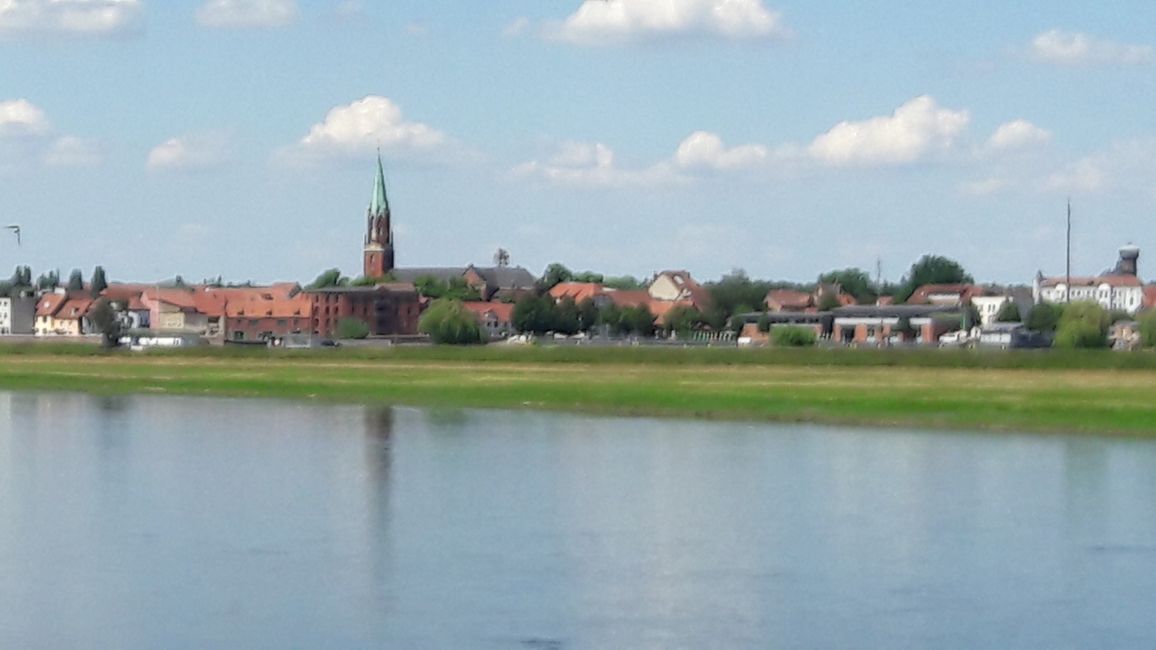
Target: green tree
{"points": [[76, 280], [1044, 318], [1008, 313], [107, 322], [1148, 329], [328, 279], [587, 315], [555, 274], [352, 328], [623, 283], [48, 281], [587, 276], [638, 320], [1084, 324], [534, 314], [829, 301], [793, 336], [99, 283], [853, 281], [22, 277], [454, 288], [567, 319], [932, 269], [764, 324], [448, 322], [904, 328], [683, 319]]}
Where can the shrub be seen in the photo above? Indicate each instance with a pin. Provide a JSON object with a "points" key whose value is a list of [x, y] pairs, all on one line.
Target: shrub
{"points": [[448, 322], [1044, 318], [792, 336], [1083, 325], [1008, 313], [352, 328], [1148, 329]]}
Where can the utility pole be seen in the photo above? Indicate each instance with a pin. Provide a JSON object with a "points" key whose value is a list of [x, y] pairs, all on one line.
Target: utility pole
{"points": [[1068, 267]]}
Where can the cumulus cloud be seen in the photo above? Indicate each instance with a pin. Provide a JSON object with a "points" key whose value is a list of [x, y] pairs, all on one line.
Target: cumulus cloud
{"points": [[593, 164], [915, 130], [74, 17], [28, 136], [247, 13], [189, 153], [1075, 49], [601, 21], [984, 187], [705, 150], [1018, 134], [71, 151], [355, 129], [22, 118]]}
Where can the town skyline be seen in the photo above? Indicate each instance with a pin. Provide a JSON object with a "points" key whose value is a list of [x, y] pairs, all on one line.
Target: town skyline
{"points": [[237, 138]]}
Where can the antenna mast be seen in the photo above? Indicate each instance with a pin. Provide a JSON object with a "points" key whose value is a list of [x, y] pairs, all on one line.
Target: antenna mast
{"points": [[1068, 267]]}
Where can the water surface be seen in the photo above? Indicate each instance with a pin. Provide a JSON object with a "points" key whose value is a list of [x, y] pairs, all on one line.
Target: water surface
{"points": [[145, 522]]}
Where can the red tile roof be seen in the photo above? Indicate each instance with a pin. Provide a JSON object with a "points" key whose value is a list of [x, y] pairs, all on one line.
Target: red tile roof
{"points": [[504, 311], [787, 299], [50, 303], [965, 292], [577, 291], [1110, 280], [629, 298]]}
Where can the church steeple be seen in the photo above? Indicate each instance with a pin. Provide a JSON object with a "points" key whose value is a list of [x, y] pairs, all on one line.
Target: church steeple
{"points": [[378, 251]]}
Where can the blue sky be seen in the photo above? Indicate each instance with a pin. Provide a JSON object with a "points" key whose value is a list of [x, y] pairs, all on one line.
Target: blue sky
{"points": [[236, 138]]}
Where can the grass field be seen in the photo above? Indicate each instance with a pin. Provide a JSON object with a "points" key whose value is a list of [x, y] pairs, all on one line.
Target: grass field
{"points": [[1091, 393]]}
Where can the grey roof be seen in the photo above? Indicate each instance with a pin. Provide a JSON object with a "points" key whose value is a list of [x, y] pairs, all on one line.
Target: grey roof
{"points": [[388, 287], [442, 273], [507, 277], [894, 311]]}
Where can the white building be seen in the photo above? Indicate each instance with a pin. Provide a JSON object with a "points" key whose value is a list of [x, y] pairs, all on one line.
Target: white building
{"points": [[989, 307], [1112, 292]]}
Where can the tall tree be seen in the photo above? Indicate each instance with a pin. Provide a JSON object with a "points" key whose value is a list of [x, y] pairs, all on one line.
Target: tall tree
{"points": [[1008, 313], [99, 282], [76, 280], [853, 281], [329, 278], [555, 274], [932, 269], [48, 281]]}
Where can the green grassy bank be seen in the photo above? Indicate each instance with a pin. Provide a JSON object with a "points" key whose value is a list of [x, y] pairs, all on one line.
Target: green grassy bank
{"points": [[1092, 393]]}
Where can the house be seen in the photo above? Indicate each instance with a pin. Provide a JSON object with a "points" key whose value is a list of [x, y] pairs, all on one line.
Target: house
{"points": [[496, 318], [18, 314], [389, 309], [678, 286], [62, 314], [580, 291], [266, 313], [989, 306], [1117, 289], [947, 295], [881, 325], [1150, 296], [126, 300], [1112, 292], [185, 310], [780, 300], [506, 283]]}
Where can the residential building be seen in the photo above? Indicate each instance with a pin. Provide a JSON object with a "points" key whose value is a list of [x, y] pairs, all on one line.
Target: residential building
{"points": [[946, 295], [580, 291], [881, 325], [267, 313], [62, 314], [18, 314], [1118, 289], [496, 318], [678, 286], [389, 309]]}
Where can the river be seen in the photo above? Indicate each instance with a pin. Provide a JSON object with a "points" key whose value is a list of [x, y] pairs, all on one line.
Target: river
{"points": [[161, 522]]}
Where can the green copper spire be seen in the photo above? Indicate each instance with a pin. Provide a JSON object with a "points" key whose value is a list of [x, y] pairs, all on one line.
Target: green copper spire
{"points": [[380, 203]]}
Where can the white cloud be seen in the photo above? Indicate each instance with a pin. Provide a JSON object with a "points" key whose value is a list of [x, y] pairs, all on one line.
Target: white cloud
{"points": [[1084, 175], [984, 187], [702, 149], [189, 153], [516, 27], [22, 118], [247, 13], [355, 129], [600, 21], [593, 165], [915, 130], [1058, 47], [1018, 134], [76, 17], [70, 151]]}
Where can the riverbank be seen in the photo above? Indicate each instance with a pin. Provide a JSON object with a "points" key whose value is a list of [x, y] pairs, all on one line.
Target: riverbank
{"points": [[1088, 393]]}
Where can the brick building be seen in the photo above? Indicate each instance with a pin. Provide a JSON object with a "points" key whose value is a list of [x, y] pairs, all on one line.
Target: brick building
{"points": [[390, 309]]}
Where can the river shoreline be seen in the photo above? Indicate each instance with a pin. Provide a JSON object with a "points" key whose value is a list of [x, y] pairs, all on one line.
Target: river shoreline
{"points": [[962, 392]]}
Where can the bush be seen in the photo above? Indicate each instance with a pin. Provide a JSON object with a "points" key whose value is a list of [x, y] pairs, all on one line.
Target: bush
{"points": [[1148, 329], [1044, 318], [448, 322], [1008, 313], [793, 336], [1083, 325], [352, 328]]}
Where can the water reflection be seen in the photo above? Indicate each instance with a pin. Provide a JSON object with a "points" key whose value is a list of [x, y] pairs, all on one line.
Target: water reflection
{"points": [[157, 522]]}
